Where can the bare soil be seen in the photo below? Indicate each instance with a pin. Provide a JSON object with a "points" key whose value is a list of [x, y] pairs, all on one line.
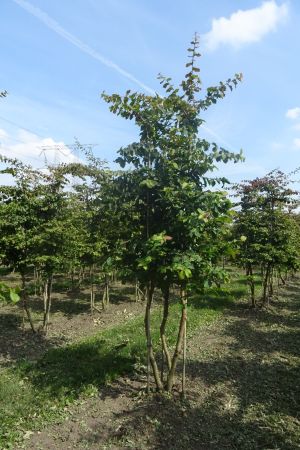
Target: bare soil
{"points": [[71, 320]]}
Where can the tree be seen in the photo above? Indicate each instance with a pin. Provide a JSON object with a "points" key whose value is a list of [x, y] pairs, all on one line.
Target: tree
{"points": [[170, 215], [268, 233], [19, 220], [32, 226]]}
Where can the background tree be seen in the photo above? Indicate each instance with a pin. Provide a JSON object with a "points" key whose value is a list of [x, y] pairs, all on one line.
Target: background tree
{"points": [[19, 221], [266, 229]]}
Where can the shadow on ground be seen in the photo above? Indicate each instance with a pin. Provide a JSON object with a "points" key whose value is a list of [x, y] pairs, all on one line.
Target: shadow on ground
{"points": [[16, 344]]}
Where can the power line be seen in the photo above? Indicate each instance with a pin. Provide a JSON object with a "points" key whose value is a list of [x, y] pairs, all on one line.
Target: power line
{"points": [[18, 154], [56, 147], [23, 128]]}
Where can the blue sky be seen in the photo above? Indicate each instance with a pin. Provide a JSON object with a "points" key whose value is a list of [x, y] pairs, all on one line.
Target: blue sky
{"points": [[57, 56]]}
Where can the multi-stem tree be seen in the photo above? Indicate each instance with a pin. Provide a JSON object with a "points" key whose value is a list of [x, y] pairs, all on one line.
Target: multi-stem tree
{"points": [[19, 220], [169, 215], [267, 231], [93, 194], [33, 231]]}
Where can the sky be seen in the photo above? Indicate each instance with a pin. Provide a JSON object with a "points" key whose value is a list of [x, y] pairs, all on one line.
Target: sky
{"points": [[57, 56]]}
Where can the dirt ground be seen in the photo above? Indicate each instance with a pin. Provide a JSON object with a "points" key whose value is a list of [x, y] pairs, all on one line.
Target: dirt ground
{"points": [[243, 392], [70, 321]]}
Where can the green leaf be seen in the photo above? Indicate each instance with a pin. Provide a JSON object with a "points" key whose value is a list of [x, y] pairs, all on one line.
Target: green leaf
{"points": [[14, 296], [148, 183]]}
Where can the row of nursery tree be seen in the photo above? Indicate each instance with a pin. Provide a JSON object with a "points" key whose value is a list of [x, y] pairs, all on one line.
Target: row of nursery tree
{"points": [[164, 219]]}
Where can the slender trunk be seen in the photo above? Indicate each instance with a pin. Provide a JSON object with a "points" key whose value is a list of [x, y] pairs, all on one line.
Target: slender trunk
{"points": [[150, 353], [180, 341], [45, 295], [165, 350], [92, 289], [184, 361], [35, 281], [271, 290], [265, 285], [252, 286], [107, 289], [282, 279], [137, 291], [25, 305], [92, 299], [47, 301], [105, 297]]}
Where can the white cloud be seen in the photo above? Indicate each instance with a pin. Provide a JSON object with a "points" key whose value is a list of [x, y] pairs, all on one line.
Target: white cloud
{"points": [[293, 113], [296, 142], [32, 149], [246, 26]]}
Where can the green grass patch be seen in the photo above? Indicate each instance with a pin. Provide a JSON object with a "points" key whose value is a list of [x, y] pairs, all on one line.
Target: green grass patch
{"points": [[32, 394]]}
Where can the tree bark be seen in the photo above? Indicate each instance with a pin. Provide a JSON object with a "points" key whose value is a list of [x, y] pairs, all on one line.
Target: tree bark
{"points": [[47, 301], [25, 305], [180, 341], [105, 298], [137, 291], [92, 289], [151, 361], [165, 350], [265, 285], [252, 286]]}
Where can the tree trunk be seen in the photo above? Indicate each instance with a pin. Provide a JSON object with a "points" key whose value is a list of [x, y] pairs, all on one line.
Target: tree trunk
{"points": [[105, 298], [265, 285], [92, 299], [183, 362], [165, 351], [271, 279], [137, 291], [92, 289], [252, 286], [25, 305], [180, 341], [35, 277], [47, 302], [150, 353]]}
